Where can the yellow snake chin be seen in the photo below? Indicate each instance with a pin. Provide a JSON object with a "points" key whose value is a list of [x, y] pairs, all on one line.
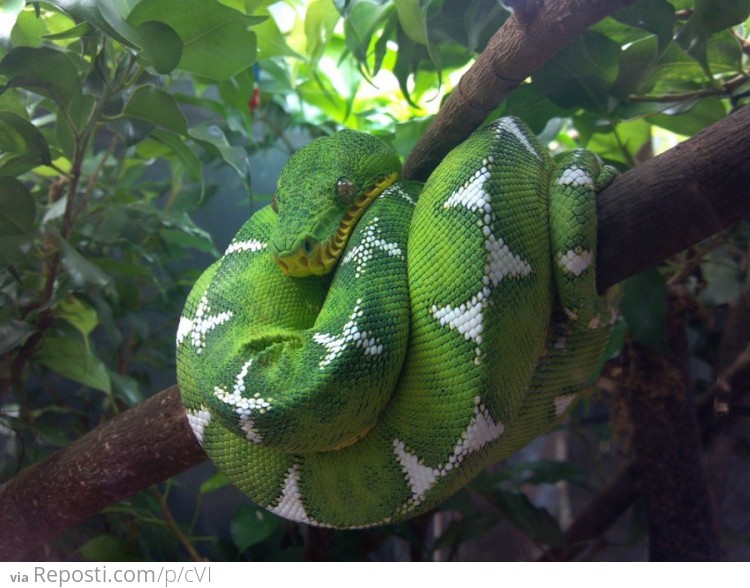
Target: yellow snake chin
{"points": [[322, 258]]}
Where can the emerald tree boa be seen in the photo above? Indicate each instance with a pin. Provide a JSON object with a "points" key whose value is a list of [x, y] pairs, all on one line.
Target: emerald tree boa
{"points": [[366, 346]]}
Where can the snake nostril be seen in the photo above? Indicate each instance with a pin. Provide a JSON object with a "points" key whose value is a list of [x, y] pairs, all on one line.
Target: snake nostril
{"points": [[308, 245]]}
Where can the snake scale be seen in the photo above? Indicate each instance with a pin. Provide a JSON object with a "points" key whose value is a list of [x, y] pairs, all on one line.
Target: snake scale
{"points": [[366, 346]]}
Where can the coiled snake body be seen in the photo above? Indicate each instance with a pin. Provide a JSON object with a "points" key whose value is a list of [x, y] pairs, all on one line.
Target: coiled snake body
{"points": [[461, 320]]}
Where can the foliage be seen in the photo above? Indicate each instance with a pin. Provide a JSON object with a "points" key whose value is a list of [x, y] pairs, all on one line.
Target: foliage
{"points": [[114, 115]]}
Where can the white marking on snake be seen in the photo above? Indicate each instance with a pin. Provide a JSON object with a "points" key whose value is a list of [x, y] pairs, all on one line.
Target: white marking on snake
{"points": [[503, 262], [202, 323], [244, 407], [198, 420], [335, 344], [506, 124], [365, 250], [252, 245], [574, 262], [575, 176], [468, 317], [480, 431], [420, 477], [183, 329], [290, 503], [562, 403], [239, 385], [471, 194], [400, 192]]}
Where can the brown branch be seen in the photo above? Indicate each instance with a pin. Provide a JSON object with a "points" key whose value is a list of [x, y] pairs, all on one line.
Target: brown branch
{"points": [[134, 450], [675, 200], [527, 40], [667, 442]]}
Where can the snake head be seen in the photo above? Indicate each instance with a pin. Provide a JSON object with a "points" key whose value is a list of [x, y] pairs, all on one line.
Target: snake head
{"points": [[322, 192]]}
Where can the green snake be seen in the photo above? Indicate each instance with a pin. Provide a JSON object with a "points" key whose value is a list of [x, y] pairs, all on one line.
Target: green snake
{"points": [[366, 346]]}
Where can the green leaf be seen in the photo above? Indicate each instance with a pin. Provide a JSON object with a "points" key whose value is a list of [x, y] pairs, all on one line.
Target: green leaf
{"points": [[215, 482], [216, 42], [654, 16], [644, 306], [213, 138], [72, 358], [636, 63], [109, 548], [621, 142], [75, 312], [692, 119], [106, 15], [158, 107], [81, 271], [183, 153], [251, 525], [546, 471], [320, 20], [82, 29], [408, 133], [17, 221], [581, 74], [724, 277], [14, 333], [29, 30], [537, 523], [674, 71], [162, 46], [46, 71], [126, 388], [724, 53], [413, 20], [708, 18], [363, 19], [271, 41], [9, 11], [187, 241], [532, 107], [17, 208]]}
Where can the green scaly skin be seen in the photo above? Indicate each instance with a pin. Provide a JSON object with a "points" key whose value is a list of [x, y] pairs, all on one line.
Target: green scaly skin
{"points": [[459, 324]]}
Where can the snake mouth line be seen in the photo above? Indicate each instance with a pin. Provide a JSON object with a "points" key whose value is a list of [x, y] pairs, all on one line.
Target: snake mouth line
{"points": [[319, 258]]}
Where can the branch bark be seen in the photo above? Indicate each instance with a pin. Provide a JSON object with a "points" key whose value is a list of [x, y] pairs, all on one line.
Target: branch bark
{"points": [[140, 447], [666, 438], [535, 32], [671, 202], [647, 214]]}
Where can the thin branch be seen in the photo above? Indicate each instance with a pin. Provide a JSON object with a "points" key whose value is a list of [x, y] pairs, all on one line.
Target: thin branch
{"points": [[175, 528], [600, 514]]}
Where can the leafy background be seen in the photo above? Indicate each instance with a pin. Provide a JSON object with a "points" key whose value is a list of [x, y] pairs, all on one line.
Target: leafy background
{"points": [[129, 127]]}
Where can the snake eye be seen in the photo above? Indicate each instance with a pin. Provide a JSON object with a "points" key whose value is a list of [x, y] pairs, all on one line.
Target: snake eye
{"points": [[346, 190], [275, 204]]}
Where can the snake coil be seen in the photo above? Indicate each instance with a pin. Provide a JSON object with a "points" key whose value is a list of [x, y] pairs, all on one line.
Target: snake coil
{"points": [[366, 346]]}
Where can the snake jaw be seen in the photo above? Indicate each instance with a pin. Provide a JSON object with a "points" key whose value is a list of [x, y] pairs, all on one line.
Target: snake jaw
{"points": [[309, 256]]}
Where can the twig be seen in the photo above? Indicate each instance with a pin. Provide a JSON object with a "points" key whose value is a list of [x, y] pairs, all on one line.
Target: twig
{"points": [[175, 528]]}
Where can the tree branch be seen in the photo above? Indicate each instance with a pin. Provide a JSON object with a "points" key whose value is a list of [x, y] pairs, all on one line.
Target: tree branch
{"points": [[535, 32], [671, 202], [138, 448]]}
